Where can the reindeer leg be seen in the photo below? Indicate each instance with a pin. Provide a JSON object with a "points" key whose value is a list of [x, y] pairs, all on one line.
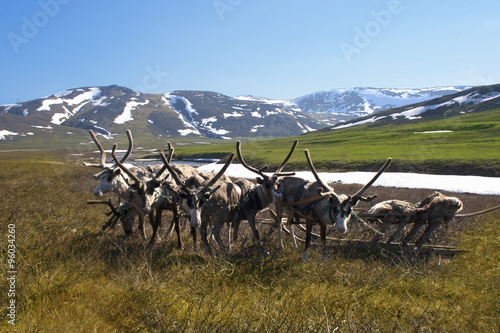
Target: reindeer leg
{"points": [[426, 235], [292, 234], [412, 233], [176, 222], [230, 232], [256, 237], [216, 233], [280, 230], [142, 232], [309, 226], [193, 234], [156, 225], [170, 228], [203, 235], [323, 240], [400, 228]]}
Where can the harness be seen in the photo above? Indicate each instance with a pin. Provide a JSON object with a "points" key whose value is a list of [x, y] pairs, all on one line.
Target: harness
{"points": [[304, 212]]}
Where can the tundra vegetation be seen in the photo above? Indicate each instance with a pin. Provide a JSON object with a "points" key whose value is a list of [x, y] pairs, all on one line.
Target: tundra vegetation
{"points": [[72, 276]]}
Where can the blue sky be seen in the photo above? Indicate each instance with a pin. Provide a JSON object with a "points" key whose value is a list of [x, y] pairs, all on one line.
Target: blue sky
{"points": [[271, 48]]}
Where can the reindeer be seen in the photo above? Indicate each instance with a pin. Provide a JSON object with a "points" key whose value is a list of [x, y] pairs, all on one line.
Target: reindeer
{"points": [[393, 212], [318, 202], [111, 179], [432, 211], [213, 201], [260, 196]]}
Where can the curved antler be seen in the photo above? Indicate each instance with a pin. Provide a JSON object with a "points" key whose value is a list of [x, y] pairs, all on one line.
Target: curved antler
{"points": [[358, 195], [254, 170], [313, 170], [123, 167], [260, 171], [130, 146], [287, 158], [168, 159], [174, 174], [102, 163], [219, 174]]}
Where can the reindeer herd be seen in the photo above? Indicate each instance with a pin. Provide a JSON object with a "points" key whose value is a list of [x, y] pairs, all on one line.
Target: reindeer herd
{"points": [[214, 200]]}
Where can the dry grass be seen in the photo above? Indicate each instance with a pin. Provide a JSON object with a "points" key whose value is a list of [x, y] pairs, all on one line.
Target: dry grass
{"points": [[73, 278]]}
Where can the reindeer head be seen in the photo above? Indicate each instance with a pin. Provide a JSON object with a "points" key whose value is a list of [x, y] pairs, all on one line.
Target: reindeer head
{"points": [[337, 210], [147, 189], [193, 199], [110, 178], [268, 185]]}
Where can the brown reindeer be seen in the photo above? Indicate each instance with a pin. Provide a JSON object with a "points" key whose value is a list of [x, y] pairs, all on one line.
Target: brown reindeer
{"points": [[112, 179], [318, 202], [214, 201], [432, 212], [393, 212], [260, 196]]}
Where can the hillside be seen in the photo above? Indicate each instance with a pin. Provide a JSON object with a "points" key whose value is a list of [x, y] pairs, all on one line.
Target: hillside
{"points": [[459, 134], [112, 109], [358, 102], [472, 100]]}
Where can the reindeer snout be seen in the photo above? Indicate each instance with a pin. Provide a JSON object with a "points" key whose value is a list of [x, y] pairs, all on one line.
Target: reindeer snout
{"points": [[146, 209], [98, 193], [341, 230]]}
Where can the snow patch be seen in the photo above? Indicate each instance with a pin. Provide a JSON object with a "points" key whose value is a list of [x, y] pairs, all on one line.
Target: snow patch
{"points": [[457, 184], [431, 132], [127, 112], [4, 133], [234, 114]]}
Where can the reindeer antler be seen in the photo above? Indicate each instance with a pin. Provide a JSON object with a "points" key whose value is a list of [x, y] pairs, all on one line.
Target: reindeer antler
{"points": [[102, 163], [359, 195], [212, 181], [315, 173], [260, 171], [174, 174], [254, 170], [278, 172], [168, 159], [123, 167]]}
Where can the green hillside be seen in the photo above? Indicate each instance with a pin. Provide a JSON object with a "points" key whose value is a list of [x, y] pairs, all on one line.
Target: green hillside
{"points": [[468, 143]]}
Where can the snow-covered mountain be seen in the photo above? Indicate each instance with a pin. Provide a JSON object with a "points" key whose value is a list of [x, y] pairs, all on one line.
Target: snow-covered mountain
{"points": [[475, 99], [112, 109], [358, 102]]}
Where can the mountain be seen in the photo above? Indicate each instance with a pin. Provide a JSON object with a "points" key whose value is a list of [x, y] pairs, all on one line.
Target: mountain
{"points": [[111, 109], [347, 104], [475, 100]]}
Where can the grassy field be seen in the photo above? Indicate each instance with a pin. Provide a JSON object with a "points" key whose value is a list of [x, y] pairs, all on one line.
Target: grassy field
{"points": [[70, 277], [470, 146]]}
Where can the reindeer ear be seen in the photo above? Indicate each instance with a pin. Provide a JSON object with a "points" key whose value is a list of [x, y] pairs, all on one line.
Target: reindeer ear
{"points": [[260, 181], [183, 195], [117, 171]]}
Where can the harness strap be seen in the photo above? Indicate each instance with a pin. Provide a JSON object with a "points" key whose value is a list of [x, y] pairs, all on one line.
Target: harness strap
{"points": [[308, 200]]}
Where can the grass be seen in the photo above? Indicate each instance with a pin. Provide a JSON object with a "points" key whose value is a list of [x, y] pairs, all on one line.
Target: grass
{"points": [[471, 147], [73, 278]]}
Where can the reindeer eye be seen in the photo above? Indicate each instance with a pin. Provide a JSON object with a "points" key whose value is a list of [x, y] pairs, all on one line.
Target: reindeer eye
{"points": [[109, 178]]}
